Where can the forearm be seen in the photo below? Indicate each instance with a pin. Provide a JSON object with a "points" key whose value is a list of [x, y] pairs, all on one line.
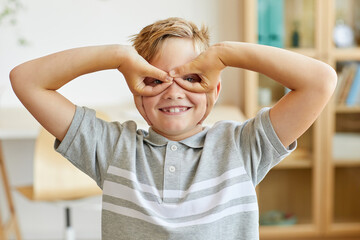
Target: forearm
{"points": [[53, 71], [35, 82], [312, 83], [290, 69]]}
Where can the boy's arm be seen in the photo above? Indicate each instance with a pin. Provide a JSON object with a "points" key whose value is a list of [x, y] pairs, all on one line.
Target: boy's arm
{"points": [[312, 82], [35, 82]]}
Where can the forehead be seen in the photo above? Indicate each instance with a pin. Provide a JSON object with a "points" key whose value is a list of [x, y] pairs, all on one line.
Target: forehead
{"points": [[174, 52]]}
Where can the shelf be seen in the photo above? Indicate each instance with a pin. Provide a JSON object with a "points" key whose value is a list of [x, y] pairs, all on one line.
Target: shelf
{"points": [[296, 230], [346, 228], [310, 52], [346, 54], [347, 120], [299, 159], [346, 162], [347, 109], [277, 193], [346, 209], [294, 163], [224, 112], [322, 192]]}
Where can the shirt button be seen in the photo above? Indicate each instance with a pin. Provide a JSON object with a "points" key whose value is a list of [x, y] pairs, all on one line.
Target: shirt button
{"points": [[172, 169], [173, 148]]}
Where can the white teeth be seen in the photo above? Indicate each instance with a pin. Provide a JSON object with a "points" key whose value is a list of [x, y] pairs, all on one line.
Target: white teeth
{"points": [[175, 110]]}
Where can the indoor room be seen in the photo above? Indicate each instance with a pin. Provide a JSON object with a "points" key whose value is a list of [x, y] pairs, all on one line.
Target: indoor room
{"points": [[271, 87]]}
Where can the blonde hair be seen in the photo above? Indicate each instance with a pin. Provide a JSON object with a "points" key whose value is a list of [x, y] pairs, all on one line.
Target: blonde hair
{"points": [[148, 41]]}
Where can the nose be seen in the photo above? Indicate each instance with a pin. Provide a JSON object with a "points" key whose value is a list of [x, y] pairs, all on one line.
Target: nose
{"points": [[174, 92]]}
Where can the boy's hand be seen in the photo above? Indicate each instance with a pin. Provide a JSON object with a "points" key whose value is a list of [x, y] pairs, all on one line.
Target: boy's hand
{"points": [[136, 69], [208, 67]]}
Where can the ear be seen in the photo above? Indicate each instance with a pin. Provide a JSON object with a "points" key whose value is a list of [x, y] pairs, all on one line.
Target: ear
{"points": [[218, 89]]}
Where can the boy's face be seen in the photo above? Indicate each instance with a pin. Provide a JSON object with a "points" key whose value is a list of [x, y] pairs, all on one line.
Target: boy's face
{"points": [[176, 112]]}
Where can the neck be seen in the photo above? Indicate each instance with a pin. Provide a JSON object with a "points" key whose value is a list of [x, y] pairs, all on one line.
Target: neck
{"points": [[180, 136]]}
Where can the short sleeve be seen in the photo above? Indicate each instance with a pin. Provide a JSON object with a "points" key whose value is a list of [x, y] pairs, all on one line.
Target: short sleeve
{"points": [[88, 143], [260, 147]]}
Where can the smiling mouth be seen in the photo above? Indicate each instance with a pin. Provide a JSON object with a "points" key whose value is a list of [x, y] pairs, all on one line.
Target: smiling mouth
{"points": [[174, 109]]}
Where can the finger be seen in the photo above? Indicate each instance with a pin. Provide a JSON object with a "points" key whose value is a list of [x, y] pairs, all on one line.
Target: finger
{"points": [[192, 87], [187, 68], [139, 105], [149, 91], [159, 74]]}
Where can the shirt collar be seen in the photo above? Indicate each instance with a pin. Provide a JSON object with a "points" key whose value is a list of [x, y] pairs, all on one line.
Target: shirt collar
{"points": [[195, 141]]}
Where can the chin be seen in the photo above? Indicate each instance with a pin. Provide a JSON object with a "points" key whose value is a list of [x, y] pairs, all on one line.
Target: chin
{"points": [[175, 131], [173, 126]]}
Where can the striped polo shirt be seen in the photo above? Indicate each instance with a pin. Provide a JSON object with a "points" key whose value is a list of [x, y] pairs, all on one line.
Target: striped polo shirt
{"points": [[202, 187]]}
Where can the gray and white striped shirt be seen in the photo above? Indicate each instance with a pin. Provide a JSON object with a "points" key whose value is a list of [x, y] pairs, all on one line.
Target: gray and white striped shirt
{"points": [[202, 187]]}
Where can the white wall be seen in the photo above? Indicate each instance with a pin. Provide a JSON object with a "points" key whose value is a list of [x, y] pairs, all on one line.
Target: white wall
{"points": [[51, 26]]}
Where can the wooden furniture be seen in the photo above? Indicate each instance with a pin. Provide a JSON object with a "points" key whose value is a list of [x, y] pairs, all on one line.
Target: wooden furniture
{"points": [[323, 193], [14, 124], [11, 226], [342, 175], [55, 178], [18, 124]]}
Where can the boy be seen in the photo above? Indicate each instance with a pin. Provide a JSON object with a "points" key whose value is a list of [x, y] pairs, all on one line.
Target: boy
{"points": [[179, 180]]}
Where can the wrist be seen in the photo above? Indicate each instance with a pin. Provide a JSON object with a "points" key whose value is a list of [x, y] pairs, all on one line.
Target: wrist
{"points": [[126, 55], [238, 54], [218, 51], [224, 51], [119, 54]]}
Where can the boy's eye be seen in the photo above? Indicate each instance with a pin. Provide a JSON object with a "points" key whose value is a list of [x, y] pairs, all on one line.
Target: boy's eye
{"points": [[192, 78], [152, 82], [156, 81]]}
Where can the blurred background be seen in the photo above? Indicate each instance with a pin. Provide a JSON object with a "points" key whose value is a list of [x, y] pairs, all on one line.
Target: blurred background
{"points": [[312, 194], [34, 28]]}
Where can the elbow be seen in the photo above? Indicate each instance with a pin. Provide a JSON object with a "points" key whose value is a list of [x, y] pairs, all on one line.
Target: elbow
{"points": [[18, 79], [14, 77], [331, 79], [328, 80]]}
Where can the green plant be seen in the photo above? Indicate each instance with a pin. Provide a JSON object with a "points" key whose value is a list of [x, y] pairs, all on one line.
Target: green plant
{"points": [[9, 11]]}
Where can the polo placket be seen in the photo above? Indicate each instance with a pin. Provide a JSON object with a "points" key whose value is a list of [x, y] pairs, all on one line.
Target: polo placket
{"points": [[172, 168]]}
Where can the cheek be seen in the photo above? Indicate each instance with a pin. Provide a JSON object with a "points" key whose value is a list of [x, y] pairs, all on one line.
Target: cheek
{"points": [[199, 100], [149, 103]]}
